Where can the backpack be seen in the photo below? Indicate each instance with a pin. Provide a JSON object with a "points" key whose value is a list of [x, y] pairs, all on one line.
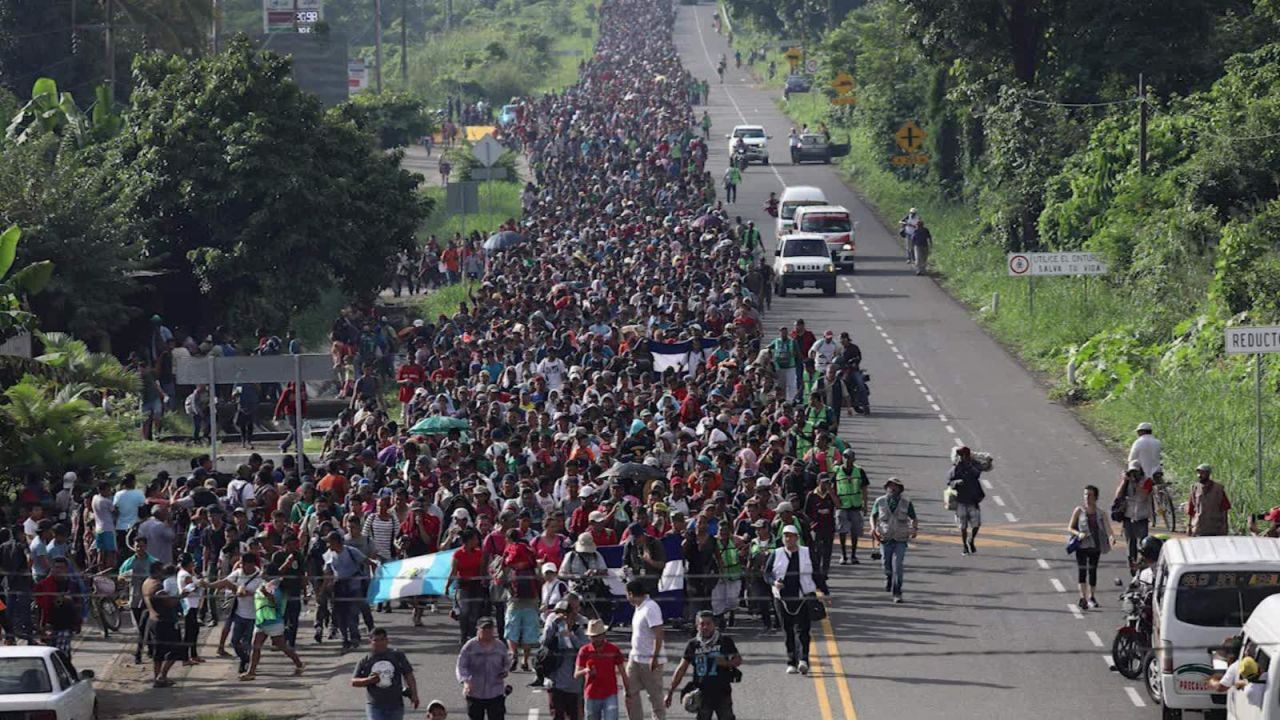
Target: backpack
{"points": [[547, 659]]}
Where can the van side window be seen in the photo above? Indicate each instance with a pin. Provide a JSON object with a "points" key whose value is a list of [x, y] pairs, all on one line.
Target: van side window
{"points": [[1264, 660]]}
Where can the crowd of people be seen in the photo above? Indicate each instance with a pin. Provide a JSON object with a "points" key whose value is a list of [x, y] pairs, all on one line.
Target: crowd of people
{"points": [[610, 382]]}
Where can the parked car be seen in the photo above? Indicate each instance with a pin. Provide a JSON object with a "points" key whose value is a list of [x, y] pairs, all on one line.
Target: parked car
{"points": [[798, 84], [36, 682], [816, 147]]}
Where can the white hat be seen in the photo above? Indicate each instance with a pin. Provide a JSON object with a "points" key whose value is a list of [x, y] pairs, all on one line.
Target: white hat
{"points": [[790, 529], [763, 482], [461, 513], [784, 506], [597, 516], [585, 544], [1143, 426], [587, 490], [549, 567]]}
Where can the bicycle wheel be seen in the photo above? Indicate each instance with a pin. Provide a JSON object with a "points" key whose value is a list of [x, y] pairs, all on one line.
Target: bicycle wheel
{"points": [[108, 614], [1169, 512]]}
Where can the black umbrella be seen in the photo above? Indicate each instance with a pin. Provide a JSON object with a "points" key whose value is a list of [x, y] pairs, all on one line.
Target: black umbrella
{"points": [[633, 471], [504, 240]]}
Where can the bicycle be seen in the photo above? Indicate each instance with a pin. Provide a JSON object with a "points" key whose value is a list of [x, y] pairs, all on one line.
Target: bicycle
{"points": [[1162, 495], [107, 601]]}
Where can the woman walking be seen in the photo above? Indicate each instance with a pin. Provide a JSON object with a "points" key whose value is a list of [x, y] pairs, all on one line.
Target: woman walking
{"points": [[1091, 528], [191, 590]]}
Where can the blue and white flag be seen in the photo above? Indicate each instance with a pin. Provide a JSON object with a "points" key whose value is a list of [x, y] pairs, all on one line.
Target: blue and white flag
{"points": [[670, 586], [676, 355], [411, 577]]}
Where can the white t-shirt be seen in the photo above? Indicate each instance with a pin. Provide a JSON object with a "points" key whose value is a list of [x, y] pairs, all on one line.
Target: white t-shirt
{"points": [[647, 617], [187, 584], [251, 582], [104, 519]]}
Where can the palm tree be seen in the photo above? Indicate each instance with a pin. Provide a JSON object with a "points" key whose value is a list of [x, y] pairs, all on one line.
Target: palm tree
{"points": [[75, 370], [40, 434]]}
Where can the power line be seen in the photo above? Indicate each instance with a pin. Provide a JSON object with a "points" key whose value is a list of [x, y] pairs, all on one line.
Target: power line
{"points": [[1111, 103]]}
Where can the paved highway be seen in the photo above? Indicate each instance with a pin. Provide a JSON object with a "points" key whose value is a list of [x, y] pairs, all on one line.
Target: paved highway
{"points": [[994, 635]]}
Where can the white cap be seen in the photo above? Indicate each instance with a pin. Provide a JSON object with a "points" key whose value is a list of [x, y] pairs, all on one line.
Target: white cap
{"points": [[549, 567], [1143, 426], [790, 529]]}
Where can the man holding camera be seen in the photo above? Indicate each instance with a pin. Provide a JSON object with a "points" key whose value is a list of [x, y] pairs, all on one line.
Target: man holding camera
{"points": [[715, 661]]}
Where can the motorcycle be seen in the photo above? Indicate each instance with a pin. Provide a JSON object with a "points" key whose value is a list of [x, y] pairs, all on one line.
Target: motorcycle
{"points": [[857, 383], [1133, 639]]}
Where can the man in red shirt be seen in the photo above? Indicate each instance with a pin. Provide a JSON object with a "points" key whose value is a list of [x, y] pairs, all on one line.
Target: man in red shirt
{"points": [[602, 534], [600, 663], [410, 377]]}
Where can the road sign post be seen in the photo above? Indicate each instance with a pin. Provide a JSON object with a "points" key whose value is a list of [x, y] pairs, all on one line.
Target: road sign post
{"points": [[1257, 341], [1032, 264]]}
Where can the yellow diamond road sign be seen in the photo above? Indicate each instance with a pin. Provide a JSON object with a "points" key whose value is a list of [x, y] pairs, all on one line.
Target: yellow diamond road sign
{"points": [[842, 83], [794, 55], [909, 137]]}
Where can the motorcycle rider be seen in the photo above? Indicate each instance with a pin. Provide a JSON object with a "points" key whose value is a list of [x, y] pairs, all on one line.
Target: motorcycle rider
{"points": [[855, 380]]}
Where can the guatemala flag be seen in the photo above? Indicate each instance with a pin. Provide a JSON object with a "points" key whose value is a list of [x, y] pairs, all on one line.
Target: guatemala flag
{"points": [[411, 577]]}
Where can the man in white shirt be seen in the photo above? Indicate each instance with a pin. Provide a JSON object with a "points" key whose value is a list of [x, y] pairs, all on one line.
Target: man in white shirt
{"points": [[644, 663], [244, 581], [824, 352], [1146, 451], [553, 369]]}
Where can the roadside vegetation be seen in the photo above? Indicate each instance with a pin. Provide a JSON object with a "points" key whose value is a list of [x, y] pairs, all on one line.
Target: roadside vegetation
{"points": [[1033, 138]]}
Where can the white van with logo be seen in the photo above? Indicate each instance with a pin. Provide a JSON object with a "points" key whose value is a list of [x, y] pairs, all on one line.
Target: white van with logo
{"points": [[801, 262], [793, 198], [1205, 589], [1260, 699], [835, 225]]}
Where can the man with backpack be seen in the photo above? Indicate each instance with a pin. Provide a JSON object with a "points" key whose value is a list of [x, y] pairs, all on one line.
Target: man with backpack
{"points": [[715, 661], [562, 638]]}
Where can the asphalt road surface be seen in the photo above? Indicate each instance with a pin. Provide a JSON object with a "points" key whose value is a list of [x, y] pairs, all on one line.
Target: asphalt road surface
{"points": [[994, 635]]}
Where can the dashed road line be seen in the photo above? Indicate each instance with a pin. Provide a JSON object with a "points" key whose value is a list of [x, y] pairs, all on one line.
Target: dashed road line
{"points": [[1010, 517], [998, 500], [950, 429], [1134, 697], [928, 398], [1075, 610], [958, 442], [924, 389], [1057, 584], [1044, 564], [986, 483], [1093, 638], [906, 364], [912, 373], [917, 381], [938, 410]]}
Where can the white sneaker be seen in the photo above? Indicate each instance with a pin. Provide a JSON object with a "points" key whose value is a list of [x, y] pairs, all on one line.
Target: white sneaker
{"points": [[804, 668], [791, 670]]}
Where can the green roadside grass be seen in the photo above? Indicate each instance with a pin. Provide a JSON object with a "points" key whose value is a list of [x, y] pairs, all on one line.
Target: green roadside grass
{"points": [[499, 202], [1201, 416]]}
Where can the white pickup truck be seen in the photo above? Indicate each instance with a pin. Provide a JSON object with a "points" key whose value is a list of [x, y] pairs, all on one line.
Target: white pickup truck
{"points": [[802, 261]]}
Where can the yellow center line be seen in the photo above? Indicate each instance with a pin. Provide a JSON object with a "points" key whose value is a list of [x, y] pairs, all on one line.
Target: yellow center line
{"points": [[842, 682], [815, 671]]}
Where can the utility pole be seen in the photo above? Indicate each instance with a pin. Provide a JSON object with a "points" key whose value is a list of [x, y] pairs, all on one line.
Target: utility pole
{"points": [[217, 26], [377, 39], [404, 41], [1142, 125], [448, 15], [109, 49]]}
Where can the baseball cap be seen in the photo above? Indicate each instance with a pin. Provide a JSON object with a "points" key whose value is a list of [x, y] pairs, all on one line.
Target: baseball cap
{"points": [[486, 621], [790, 529], [549, 567]]}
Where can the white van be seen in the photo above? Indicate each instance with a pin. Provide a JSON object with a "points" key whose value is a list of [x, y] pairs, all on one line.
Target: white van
{"points": [[793, 197], [1261, 700], [835, 225], [1205, 589]]}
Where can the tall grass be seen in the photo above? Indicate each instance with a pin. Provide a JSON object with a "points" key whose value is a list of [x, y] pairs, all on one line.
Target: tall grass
{"points": [[499, 202]]}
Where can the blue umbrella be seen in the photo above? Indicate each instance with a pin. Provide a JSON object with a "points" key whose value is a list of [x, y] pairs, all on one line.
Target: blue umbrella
{"points": [[504, 240]]}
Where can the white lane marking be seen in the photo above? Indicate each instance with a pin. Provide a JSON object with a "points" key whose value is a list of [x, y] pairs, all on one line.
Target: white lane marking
{"points": [[950, 429], [917, 381], [928, 398], [924, 389], [1093, 638], [1075, 610], [1057, 584], [906, 364], [958, 442], [533, 714], [1134, 697], [884, 334], [999, 500], [890, 341], [1044, 565], [880, 329], [941, 417], [705, 51], [898, 355], [986, 483], [912, 373], [1010, 517]]}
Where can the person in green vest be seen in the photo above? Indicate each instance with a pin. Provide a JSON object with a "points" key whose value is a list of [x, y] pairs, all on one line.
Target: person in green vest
{"points": [[785, 515], [749, 237], [732, 179], [268, 622], [759, 553], [817, 416], [851, 496], [784, 351], [706, 125], [728, 587]]}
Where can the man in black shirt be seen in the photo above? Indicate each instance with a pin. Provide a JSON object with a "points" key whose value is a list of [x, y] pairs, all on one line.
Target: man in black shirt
{"points": [[715, 659], [384, 674], [289, 564]]}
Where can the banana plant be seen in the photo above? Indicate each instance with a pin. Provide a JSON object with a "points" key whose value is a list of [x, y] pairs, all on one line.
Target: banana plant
{"points": [[49, 111], [15, 319]]}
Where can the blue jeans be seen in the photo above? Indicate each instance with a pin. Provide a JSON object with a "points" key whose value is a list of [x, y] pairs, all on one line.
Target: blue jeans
{"points": [[894, 552], [372, 712], [606, 709], [241, 638]]}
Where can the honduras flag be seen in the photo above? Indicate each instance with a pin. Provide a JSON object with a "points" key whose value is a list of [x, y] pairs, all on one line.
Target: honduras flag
{"points": [[411, 577], [670, 585], [676, 355]]}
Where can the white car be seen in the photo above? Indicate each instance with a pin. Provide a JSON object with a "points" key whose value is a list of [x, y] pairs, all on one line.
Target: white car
{"points": [[801, 261], [755, 142], [36, 683]]}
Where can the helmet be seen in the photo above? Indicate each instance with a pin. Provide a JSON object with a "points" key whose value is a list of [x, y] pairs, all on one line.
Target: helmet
{"points": [[692, 700], [1150, 548]]}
